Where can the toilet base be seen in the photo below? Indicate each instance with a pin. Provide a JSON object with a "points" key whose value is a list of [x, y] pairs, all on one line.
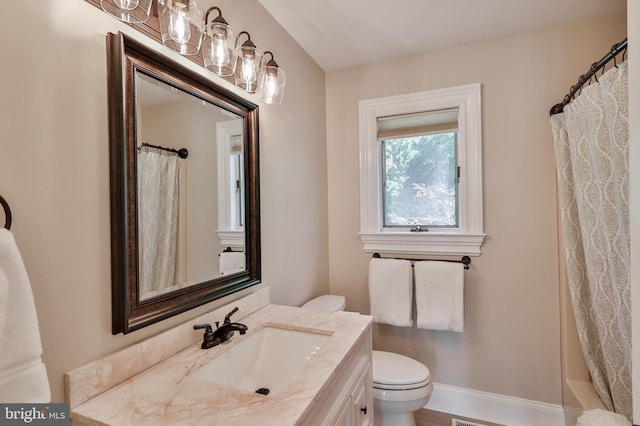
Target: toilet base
{"points": [[397, 413], [397, 419]]}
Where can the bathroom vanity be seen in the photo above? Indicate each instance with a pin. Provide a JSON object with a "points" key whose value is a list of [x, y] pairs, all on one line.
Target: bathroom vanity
{"points": [[168, 379]]}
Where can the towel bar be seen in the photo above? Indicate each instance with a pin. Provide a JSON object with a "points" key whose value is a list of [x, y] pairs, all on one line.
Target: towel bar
{"points": [[466, 260], [7, 213]]}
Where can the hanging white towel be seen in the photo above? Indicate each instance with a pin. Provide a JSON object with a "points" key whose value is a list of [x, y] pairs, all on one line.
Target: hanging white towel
{"points": [[390, 292], [23, 377], [439, 295], [231, 261]]}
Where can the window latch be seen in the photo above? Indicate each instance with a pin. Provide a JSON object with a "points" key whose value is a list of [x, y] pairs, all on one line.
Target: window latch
{"points": [[419, 228]]}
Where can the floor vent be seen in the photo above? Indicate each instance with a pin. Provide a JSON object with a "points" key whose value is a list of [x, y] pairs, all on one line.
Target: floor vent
{"points": [[458, 422]]}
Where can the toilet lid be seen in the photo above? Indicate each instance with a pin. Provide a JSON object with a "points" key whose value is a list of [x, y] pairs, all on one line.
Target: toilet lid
{"points": [[327, 302], [391, 370]]}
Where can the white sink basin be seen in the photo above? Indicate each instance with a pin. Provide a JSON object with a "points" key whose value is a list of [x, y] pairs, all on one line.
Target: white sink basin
{"points": [[266, 360]]}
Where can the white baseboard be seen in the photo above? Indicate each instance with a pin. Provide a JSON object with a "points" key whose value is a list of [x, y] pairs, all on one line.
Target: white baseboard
{"points": [[494, 408]]}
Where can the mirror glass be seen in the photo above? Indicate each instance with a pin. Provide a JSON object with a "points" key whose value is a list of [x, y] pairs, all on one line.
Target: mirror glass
{"points": [[184, 187], [189, 209]]}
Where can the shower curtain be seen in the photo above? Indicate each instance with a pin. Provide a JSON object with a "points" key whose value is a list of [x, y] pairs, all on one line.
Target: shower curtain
{"points": [[591, 140], [157, 220]]}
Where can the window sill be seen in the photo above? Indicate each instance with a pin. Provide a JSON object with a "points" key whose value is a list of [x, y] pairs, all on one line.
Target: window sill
{"points": [[431, 243], [231, 238]]}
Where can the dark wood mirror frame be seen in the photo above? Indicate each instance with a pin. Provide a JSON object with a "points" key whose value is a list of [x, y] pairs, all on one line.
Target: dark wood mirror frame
{"points": [[125, 57]]}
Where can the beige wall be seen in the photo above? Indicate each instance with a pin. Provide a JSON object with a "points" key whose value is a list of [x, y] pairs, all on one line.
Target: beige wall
{"points": [[511, 343], [54, 171]]}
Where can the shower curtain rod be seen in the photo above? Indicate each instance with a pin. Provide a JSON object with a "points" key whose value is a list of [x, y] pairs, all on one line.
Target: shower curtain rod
{"points": [[182, 152], [584, 78]]}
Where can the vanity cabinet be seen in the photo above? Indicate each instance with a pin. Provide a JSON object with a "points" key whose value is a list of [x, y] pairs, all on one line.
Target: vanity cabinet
{"points": [[348, 399], [161, 387], [357, 409]]}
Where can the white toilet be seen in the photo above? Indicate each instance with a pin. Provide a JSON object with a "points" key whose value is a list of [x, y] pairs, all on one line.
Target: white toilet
{"points": [[401, 385]]}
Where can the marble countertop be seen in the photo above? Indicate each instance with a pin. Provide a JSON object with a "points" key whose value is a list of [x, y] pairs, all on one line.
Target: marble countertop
{"points": [[166, 394]]}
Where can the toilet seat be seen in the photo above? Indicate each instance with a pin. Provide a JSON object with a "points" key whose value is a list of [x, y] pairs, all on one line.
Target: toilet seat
{"points": [[395, 372]]}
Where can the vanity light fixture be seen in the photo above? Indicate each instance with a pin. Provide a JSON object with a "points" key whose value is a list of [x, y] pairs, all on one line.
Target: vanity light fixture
{"points": [[181, 25], [131, 11], [271, 82], [218, 44], [246, 59]]}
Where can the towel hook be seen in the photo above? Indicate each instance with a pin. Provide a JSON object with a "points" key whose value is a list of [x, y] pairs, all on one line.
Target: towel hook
{"points": [[7, 213]]}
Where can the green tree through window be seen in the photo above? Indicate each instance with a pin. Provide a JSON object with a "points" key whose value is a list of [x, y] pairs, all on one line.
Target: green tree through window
{"points": [[420, 181]]}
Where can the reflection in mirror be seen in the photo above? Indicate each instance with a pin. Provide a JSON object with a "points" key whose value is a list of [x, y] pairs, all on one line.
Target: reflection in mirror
{"points": [[184, 187], [182, 213]]}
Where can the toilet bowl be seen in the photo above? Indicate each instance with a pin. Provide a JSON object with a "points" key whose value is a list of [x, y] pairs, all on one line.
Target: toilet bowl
{"points": [[401, 385]]}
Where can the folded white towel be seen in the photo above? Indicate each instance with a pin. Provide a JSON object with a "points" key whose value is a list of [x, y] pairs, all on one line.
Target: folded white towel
{"points": [[390, 292], [23, 377], [231, 261], [439, 295]]}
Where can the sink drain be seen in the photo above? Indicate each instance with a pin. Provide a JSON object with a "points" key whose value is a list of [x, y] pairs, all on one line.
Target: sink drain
{"points": [[263, 391]]}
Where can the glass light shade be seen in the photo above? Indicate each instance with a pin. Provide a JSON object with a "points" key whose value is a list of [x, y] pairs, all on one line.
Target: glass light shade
{"points": [[217, 48], [247, 67], [181, 25], [131, 11], [271, 84]]}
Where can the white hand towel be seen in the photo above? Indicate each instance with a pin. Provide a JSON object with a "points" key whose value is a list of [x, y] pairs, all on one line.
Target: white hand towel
{"points": [[231, 261], [439, 295], [23, 377], [390, 292]]}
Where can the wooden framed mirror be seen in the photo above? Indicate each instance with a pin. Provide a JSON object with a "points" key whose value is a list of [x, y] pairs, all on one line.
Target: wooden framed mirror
{"points": [[184, 231]]}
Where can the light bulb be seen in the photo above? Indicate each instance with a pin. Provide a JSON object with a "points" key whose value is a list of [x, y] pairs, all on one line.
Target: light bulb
{"points": [[179, 30], [248, 73], [271, 88], [220, 51], [126, 4]]}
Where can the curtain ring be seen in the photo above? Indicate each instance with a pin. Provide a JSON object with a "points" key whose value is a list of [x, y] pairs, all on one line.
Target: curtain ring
{"points": [[594, 70]]}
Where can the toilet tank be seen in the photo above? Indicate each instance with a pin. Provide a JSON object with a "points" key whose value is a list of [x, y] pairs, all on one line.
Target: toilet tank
{"points": [[327, 302]]}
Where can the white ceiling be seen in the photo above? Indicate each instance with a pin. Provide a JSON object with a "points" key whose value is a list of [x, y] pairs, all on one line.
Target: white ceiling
{"points": [[343, 33]]}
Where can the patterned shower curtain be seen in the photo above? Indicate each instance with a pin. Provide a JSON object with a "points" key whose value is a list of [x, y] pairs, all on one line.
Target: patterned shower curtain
{"points": [[157, 220], [591, 139]]}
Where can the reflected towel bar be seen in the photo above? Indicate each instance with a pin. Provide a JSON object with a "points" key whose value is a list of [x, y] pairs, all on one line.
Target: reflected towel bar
{"points": [[466, 260], [230, 250], [182, 152]]}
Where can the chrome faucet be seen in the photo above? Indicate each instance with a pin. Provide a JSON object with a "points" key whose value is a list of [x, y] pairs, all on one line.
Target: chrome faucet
{"points": [[222, 333]]}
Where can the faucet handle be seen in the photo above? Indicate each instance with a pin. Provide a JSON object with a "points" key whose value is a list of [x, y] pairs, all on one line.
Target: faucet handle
{"points": [[208, 340], [227, 319]]}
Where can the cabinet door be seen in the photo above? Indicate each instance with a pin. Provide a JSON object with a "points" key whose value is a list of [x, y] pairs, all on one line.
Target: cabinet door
{"points": [[345, 418], [363, 401]]}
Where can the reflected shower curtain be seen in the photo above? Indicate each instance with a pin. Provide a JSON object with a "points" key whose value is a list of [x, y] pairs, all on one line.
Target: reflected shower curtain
{"points": [[157, 220], [591, 139]]}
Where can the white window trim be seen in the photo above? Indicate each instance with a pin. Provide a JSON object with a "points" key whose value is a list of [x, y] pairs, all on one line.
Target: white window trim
{"points": [[469, 236], [228, 234]]}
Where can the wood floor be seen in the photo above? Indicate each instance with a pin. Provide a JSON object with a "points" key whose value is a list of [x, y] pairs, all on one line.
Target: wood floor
{"points": [[435, 418]]}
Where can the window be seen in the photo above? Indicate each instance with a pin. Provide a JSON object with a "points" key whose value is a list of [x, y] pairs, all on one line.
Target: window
{"points": [[419, 170], [230, 160], [421, 173]]}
